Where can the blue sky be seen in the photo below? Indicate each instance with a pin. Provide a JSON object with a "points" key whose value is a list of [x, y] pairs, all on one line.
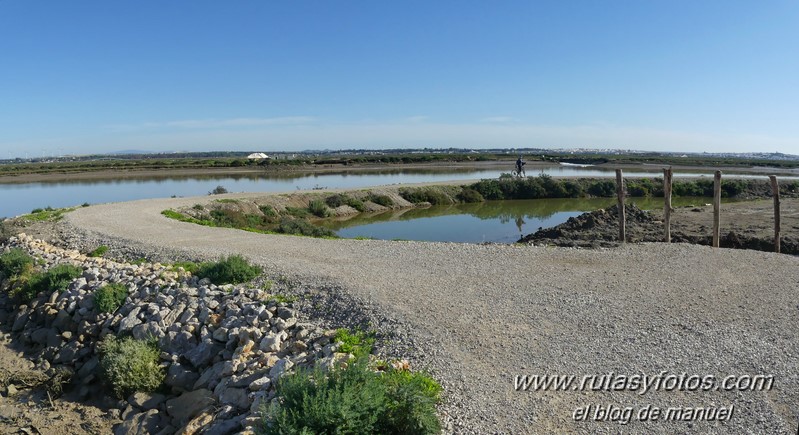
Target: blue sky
{"points": [[85, 76]]}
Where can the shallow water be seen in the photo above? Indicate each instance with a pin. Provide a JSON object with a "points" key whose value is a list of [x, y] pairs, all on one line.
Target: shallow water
{"points": [[490, 221]]}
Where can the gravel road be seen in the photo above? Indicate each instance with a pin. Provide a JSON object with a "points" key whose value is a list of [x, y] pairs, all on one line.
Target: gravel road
{"points": [[480, 315]]}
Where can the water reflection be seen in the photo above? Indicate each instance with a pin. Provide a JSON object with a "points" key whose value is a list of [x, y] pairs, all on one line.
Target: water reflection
{"points": [[490, 221]]}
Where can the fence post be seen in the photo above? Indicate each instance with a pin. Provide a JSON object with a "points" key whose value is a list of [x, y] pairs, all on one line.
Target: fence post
{"points": [[620, 197], [667, 202], [716, 208], [775, 191]]}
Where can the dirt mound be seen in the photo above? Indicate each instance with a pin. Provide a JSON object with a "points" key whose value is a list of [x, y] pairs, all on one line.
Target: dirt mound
{"points": [[751, 228], [599, 228]]}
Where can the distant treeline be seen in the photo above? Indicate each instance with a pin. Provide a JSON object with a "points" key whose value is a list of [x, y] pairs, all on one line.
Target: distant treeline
{"points": [[310, 161]]}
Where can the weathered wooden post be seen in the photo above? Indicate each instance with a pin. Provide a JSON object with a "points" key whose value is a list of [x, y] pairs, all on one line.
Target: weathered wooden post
{"points": [[620, 197], [667, 202], [775, 191], [716, 208]]}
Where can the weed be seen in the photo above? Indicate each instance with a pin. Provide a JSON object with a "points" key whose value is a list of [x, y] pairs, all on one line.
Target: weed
{"points": [[357, 342], [425, 194], [231, 270], [297, 212], [198, 207], [383, 200], [318, 208], [99, 252], [108, 298], [354, 399], [302, 228], [13, 262], [131, 365]]}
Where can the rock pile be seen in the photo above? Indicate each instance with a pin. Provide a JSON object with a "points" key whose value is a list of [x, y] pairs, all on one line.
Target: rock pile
{"points": [[222, 347]]}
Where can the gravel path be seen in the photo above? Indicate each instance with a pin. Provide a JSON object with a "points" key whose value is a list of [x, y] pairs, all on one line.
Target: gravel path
{"points": [[482, 314]]}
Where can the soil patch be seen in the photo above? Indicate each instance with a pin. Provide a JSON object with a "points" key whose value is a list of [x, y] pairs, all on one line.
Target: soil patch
{"points": [[744, 225]]}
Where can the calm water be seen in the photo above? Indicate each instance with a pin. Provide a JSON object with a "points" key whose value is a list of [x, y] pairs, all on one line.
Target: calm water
{"points": [[16, 199], [490, 221]]}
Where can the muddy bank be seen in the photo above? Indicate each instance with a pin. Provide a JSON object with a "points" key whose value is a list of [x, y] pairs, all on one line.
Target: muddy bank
{"points": [[744, 225]]}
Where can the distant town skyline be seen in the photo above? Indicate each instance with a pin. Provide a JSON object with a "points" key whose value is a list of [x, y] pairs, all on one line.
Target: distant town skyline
{"points": [[90, 76]]}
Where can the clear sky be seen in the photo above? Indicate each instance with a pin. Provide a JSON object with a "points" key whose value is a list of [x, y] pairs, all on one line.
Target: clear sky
{"points": [[84, 76]]}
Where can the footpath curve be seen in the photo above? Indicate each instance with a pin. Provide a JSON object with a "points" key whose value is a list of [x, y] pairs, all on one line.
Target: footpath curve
{"points": [[484, 314]]}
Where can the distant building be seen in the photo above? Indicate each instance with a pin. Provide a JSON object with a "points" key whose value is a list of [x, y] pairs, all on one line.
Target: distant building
{"points": [[257, 156]]}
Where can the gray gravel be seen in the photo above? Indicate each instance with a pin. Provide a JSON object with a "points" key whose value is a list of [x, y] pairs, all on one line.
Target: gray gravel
{"points": [[478, 315]]}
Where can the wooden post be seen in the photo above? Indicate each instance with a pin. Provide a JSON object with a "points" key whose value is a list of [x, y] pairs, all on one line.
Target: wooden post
{"points": [[716, 208], [620, 197], [775, 191], [667, 203]]}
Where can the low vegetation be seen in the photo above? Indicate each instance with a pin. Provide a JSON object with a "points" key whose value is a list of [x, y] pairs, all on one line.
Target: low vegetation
{"points": [[99, 252], [47, 214], [218, 190], [359, 397], [229, 270], [383, 200], [108, 298], [318, 208], [24, 281], [129, 365]]}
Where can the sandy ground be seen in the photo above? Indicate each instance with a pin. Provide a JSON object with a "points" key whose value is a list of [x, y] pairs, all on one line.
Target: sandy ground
{"points": [[31, 411]]}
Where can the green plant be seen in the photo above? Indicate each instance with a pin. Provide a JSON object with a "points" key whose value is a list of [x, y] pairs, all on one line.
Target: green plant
{"points": [[383, 200], [99, 252], [108, 298], [356, 342], [318, 208], [353, 400], [198, 207], [303, 228], [425, 194], [85, 204], [218, 190], [131, 365], [13, 262], [297, 212], [188, 266], [470, 195], [268, 211], [28, 283], [230, 270], [282, 299]]}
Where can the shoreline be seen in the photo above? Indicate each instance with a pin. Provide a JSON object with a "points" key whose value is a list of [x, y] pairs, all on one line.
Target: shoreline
{"points": [[287, 171]]}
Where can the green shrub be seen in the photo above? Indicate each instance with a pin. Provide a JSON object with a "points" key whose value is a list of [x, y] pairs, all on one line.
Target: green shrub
{"points": [[339, 199], [108, 298], [602, 188], [383, 200], [357, 342], [425, 194], [99, 252], [317, 207], [218, 190], [268, 211], [131, 365], [297, 212], [470, 195], [14, 261], [231, 270], [57, 278], [354, 400], [489, 189], [348, 401], [198, 207], [302, 227]]}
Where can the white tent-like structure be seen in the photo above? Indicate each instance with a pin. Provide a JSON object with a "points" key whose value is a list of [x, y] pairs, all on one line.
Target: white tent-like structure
{"points": [[257, 156]]}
